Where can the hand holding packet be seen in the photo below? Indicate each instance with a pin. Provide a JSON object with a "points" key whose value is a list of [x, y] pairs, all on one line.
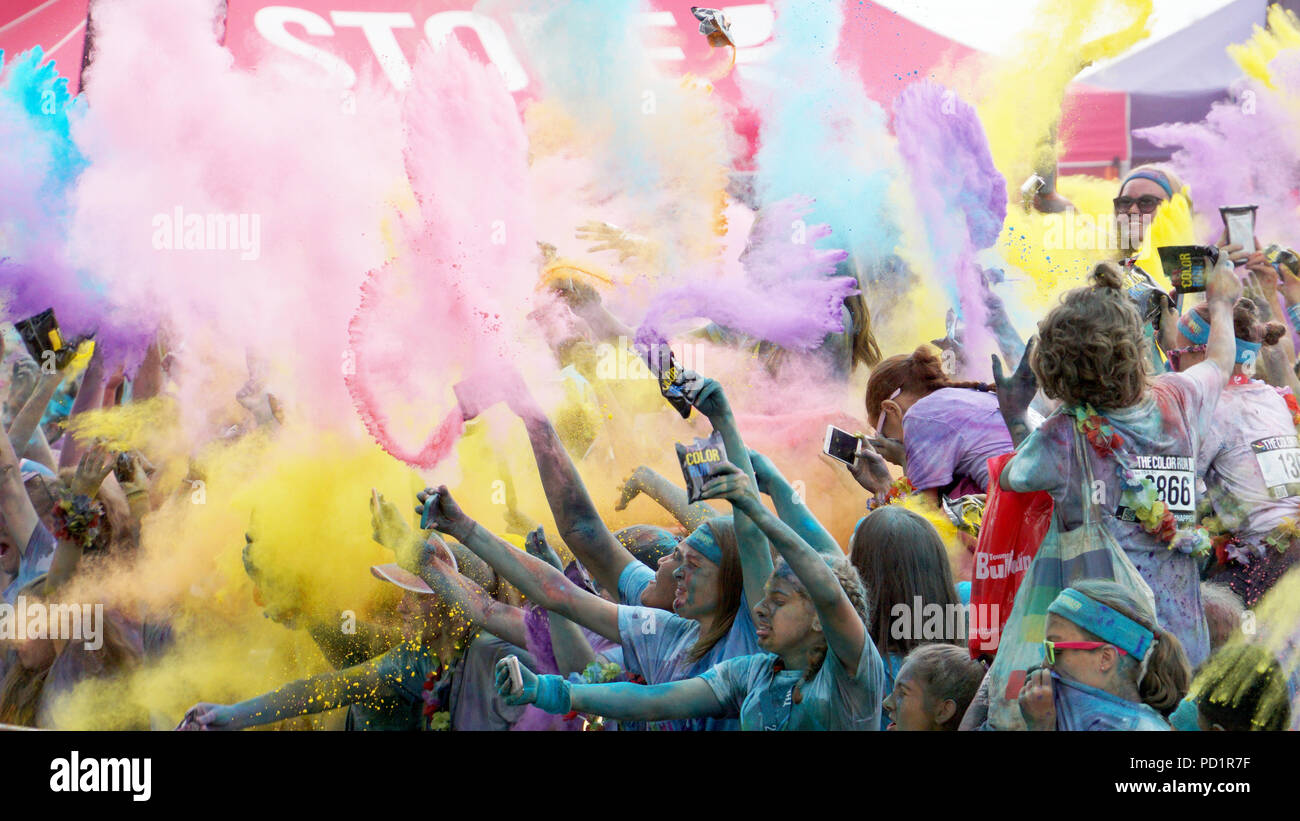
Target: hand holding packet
{"points": [[699, 460], [1187, 266]]}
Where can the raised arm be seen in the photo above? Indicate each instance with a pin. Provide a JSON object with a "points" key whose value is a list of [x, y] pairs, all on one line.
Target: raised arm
{"points": [[755, 556], [94, 466], [688, 698], [27, 420], [790, 507], [502, 620], [845, 632], [536, 579], [669, 496], [318, 694], [1015, 393], [570, 647], [581, 527], [19, 514], [1223, 288]]}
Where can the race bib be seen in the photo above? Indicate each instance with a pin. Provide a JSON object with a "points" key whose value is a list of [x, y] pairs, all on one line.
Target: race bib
{"points": [[1174, 478], [1279, 463]]}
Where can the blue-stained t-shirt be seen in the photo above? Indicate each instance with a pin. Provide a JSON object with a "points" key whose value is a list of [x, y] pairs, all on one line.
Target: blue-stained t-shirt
{"points": [[835, 699], [35, 561], [656, 643], [633, 581], [1081, 707]]}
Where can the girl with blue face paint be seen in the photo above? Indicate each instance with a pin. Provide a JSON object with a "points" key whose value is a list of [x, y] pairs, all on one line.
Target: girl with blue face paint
{"points": [[1107, 664], [818, 670]]}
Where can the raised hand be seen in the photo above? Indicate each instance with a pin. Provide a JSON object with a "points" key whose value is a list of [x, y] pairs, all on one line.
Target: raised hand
{"points": [[94, 467], [891, 450], [387, 525], [632, 487], [535, 544], [727, 482], [438, 510], [870, 469], [1016, 392]]}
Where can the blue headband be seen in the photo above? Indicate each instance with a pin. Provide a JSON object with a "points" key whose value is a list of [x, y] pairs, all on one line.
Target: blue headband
{"points": [[1147, 175], [1107, 624], [703, 542], [1197, 329]]}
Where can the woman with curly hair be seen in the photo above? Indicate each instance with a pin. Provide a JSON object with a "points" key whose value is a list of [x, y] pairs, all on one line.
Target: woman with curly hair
{"points": [[819, 670], [1250, 457], [1141, 436]]}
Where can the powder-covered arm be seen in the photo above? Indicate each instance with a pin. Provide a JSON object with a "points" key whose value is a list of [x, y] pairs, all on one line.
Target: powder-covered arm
{"points": [[669, 496], [29, 418], [502, 620], [536, 579], [845, 632], [688, 698], [755, 556], [326, 691], [790, 507]]}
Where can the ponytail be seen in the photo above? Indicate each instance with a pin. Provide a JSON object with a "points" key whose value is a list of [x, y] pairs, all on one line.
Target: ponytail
{"points": [[919, 373]]}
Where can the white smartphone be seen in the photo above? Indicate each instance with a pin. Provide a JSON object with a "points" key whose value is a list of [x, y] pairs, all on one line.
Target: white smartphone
{"points": [[516, 677], [841, 445], [1239, 220]]}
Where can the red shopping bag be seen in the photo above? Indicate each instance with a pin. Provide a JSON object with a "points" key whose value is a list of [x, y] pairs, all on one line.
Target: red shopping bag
{"points": [[1013, 527]]}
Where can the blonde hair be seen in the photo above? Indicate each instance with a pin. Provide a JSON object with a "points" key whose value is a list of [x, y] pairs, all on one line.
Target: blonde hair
{"points": [[1091, 348]]}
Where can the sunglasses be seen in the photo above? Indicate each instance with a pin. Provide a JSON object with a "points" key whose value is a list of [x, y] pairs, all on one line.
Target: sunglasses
{"points": [[1147, 204], [1050, 648], [1176, 355]]}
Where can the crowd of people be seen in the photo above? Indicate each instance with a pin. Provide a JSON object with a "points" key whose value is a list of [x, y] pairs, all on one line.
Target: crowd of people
{"points": [[1163, 428]]}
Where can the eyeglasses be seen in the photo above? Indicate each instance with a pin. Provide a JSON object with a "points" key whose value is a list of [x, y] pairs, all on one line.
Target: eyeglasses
{"points": [[1176, 354], [1050, 647], [1146, 204]]}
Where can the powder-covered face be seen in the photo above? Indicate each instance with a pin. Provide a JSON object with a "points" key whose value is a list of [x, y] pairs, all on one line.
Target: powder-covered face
{"points": [[1082, 666], [785, 621], [9, 552], [422, 619], [1133, 224], [909, 705], [696, 594], [662, 590]]}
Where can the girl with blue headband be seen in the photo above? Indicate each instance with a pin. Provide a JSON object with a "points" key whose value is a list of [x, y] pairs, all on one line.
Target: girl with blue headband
{"points": [[1250, 457], [1139, 435], [1107, 664], [818, 670]]}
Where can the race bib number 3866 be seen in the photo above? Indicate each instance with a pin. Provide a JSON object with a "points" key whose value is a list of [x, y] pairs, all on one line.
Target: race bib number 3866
{"points": [[1279, 462], [1174, 478]]}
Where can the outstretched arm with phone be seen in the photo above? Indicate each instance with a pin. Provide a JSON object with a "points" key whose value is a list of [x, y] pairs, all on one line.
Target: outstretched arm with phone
{"points": [[622, 701], [536, 579]]}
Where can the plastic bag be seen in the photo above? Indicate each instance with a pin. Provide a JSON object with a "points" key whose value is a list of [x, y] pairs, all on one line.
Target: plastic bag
{"points": [[1014, 526], [1087, 552]]}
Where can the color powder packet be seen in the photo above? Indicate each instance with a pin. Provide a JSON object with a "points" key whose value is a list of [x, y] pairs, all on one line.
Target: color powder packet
{"points": [[699, 460]]}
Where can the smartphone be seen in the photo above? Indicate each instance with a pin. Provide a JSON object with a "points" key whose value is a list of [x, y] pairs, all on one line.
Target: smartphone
{"points": [[661, 362], [1239, 220], [516, 677], [430, 502], [40, 333], [841, 445]]}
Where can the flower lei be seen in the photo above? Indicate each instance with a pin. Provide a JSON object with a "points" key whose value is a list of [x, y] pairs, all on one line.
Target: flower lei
{"points": [[1139, 492], [77, 518], [900, 488], [437, 716], [1292, 406]]}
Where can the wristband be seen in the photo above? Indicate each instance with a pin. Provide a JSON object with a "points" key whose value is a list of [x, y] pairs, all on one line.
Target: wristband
{"points": [[1293, 314], [553, 695]]}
